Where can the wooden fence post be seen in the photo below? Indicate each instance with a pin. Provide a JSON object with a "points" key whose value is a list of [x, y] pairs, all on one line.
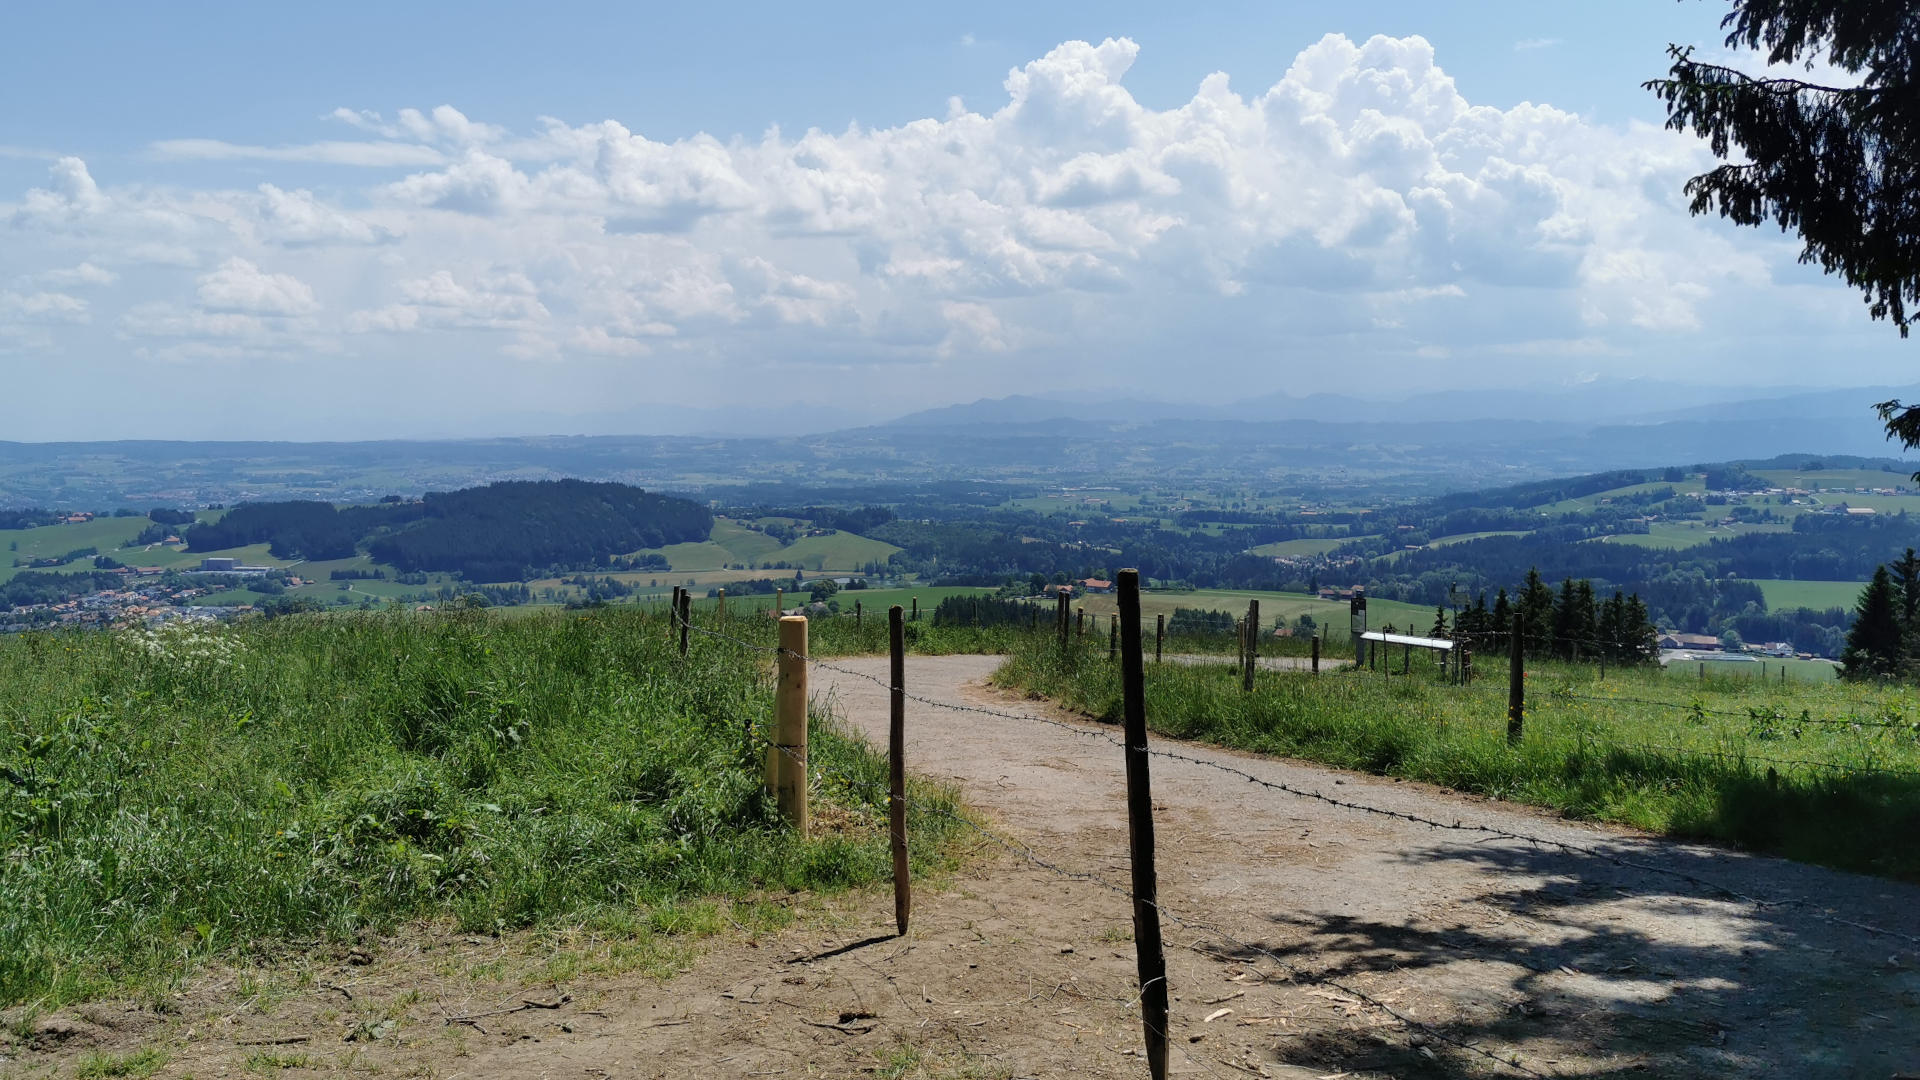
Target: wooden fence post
{"points": [[790, 724], [1113, 638], [1316, 654], [673, 611], [857, 616], [1252, 659], [1060, 617], [1080, 623], [897, 769], [1516, 686], [1151, 957], [720, 607], [686, 619], [1159, 634], [779, 603], [916, 609]]}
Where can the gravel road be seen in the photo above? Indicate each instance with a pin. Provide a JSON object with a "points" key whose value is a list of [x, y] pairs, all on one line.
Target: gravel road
{"points": [[1571, 963]]}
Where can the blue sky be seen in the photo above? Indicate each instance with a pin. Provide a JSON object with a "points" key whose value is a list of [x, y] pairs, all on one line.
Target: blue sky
{"points": [[585, 212]]}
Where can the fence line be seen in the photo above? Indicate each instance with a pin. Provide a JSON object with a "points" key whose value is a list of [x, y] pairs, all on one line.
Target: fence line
{"points": [[1347, 804], [1156, 1034], [1027, 853]]}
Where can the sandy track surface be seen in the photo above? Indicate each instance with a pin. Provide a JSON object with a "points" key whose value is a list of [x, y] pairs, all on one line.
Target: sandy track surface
{"points": [[1565, 964]]}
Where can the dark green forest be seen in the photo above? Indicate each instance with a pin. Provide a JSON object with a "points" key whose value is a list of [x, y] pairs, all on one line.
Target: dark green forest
{"points": [[502, 532]]}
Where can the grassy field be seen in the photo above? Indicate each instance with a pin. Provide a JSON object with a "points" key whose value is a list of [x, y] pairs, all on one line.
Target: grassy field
{"points": [[1760, 777], [1748, 672], [1686, 534], [1818, 595], [734, 544], [1846, 479], [1586, 503], [1297, 548], [171, 796], [1326, 613]]}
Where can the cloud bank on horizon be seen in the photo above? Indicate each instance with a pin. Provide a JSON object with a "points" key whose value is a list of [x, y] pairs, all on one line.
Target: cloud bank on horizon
{"points": [[1359, 210]]}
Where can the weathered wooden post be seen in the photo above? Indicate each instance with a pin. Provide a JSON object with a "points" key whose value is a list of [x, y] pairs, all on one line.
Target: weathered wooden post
{"points": [[779, 603], [686, 619], [1150, 954], [1080, 623], [789, 748], [856, 615], [1252, 659], [720, 606], [1159, 634], [1113, 637], [1466, 663], [1060, 617], [897, 769], [1516, 686], [673, 611], [1316, 654], [916, 609]]}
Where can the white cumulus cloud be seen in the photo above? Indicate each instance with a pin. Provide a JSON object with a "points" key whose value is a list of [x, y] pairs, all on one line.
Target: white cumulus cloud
{"points": [[1360, 205], [238, 285]]}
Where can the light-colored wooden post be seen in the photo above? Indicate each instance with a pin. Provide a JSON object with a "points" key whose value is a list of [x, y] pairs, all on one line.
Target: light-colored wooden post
{"points": [[789, 749], [779, 602], [720, 607]]}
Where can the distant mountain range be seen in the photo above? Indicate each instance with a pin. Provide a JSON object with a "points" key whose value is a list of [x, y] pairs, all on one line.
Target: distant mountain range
{"points": [[1329, 444], [1603, 401]]}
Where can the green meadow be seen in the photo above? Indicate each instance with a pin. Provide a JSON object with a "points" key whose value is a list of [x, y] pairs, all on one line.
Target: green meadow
{"points": [[169, 797]]}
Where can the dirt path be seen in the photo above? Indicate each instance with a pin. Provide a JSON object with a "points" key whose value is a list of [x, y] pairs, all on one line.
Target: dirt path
{"points": [[1568, 965]]}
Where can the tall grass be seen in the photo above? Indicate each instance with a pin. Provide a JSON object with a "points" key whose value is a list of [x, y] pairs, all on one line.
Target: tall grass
{"points": [[1758, 782], [164, 796]]}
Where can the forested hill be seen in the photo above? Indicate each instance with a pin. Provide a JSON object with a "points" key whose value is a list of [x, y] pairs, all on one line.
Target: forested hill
{"points": [[500, 532]]}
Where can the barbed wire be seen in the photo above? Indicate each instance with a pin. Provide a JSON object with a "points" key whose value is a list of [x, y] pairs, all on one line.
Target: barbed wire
{"points": [[1457, 826], [1027, 853]]}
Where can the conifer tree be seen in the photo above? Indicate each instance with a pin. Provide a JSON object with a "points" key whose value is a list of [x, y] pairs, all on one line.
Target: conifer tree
{"points": [[1536, 612], [1586, 625], [1639, 630], [1873, 644], [1839, 164], [1502, 617], [1906, 580], [1615, 637], [1439, 629]]}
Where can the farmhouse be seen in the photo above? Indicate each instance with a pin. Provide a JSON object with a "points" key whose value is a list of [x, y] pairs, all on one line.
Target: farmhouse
{"points": [[1690, 642], [1097, 585]]}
